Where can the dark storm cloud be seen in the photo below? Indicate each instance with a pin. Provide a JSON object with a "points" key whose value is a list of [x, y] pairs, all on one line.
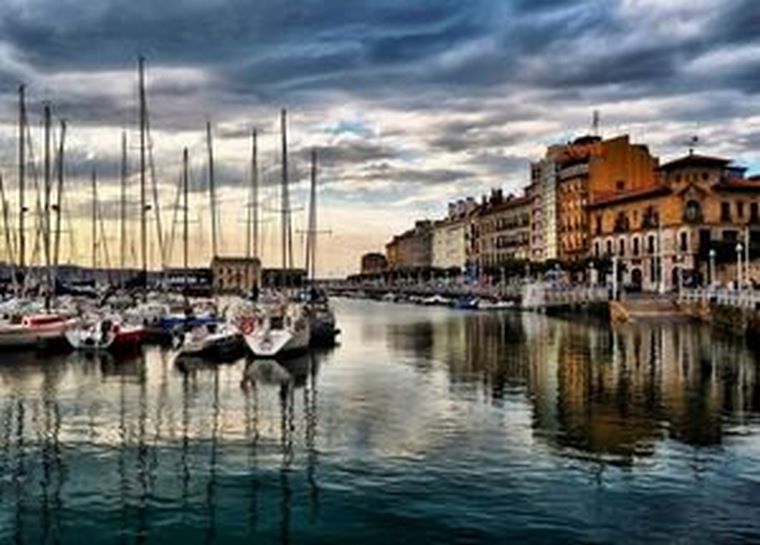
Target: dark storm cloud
{"points": [[442, 58]]}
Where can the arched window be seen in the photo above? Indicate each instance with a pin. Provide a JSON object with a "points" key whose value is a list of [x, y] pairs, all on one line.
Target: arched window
{"points": [[692, 212], [621, 247]]}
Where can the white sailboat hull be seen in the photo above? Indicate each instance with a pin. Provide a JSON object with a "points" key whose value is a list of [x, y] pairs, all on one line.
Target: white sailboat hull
{"points": [[277, 342], [21, 336]]}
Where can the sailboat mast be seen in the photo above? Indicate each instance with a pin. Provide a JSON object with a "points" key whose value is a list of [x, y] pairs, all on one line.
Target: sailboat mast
{"points": [[285, 198], [59, 198], [48, 189], [143, 204], [255, 193], [212, 190], [185, 209], [21, 177], [94, 223], [311, 237], [123, 207]]}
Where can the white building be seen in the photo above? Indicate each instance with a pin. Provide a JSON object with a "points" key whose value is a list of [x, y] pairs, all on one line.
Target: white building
{"points": [[450, 235], [545, 244]]}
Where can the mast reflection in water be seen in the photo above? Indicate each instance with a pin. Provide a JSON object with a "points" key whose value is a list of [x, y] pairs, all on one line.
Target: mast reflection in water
{"points": [[426, 424]]}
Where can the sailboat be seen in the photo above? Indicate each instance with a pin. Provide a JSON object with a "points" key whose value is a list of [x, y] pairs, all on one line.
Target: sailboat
{"points": [[31, 327], [279, 327], [217, 339], [109, 332], [321, 316]]}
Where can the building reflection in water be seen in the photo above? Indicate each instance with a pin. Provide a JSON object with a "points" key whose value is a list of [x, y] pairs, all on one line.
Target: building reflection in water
{"points": [[596, 392]]}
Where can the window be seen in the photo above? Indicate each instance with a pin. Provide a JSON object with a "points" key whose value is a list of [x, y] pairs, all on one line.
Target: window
{"points": [[621, 246], [705, 176], [725, 211], [609, 247], [599, 224], [620, 185], [684, 242], [650, 244], [636, 246], [753, 215], [596, 249], [740, 209], [678, 177], [692, 212]]}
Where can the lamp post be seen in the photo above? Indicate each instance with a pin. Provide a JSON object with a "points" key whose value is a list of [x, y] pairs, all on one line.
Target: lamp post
{"points": [[711, 268], [591, 271], [614, 277], [739, 249]]}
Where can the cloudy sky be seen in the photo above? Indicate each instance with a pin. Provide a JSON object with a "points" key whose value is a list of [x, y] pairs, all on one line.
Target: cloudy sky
{"points": [[410, 103]]}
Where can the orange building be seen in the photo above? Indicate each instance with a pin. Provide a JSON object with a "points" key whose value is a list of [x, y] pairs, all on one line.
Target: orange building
{"points": [[666, 233], [590, 169]]}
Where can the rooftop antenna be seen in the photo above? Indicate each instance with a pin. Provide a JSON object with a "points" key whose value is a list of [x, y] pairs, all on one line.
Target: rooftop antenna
{"points": [[595, 123], [693, 142]]}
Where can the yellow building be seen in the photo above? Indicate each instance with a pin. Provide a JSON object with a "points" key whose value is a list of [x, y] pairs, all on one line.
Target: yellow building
{"points": [[235, 274], [702, 207]]}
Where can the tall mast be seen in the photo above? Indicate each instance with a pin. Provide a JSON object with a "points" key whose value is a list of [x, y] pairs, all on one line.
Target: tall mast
{"points": [[143, 204], [253, 211], [123, 207], [21, 177], [94, 223], [311, 236], [59, 197], [211, 190], [185, 209], [46, 209], [287, 247], [48, 189], [7, 227]]}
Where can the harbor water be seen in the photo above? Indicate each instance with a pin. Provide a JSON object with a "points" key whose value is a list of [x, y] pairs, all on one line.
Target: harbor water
{"points": [[426, 425]]}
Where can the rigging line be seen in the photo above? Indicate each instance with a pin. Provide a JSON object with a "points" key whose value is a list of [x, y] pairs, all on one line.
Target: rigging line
{"points": [[154, 183]]}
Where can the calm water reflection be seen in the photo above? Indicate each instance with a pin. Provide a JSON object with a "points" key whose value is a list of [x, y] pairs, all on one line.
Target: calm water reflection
{"points": [[426, 424]]}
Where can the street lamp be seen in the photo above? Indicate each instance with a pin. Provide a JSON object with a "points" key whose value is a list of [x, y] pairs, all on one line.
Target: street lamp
{"points": [[591, 271], [739, 249], [711, 270]]}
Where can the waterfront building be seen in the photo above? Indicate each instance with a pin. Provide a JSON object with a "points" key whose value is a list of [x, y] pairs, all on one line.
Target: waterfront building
{"points": [[373, 263], [544, 242], [235, 274], [589, 169], [503, 231], [703, 209], [412, 249], [450, 235]]}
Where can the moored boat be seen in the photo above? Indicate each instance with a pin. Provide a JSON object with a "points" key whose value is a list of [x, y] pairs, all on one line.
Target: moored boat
{"points": [[35, 330], [105, 334], [277, 330], [213, 341]]}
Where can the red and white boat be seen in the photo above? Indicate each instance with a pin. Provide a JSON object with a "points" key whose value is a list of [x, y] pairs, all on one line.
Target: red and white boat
{"points": [[35, 330], [105, 334]]}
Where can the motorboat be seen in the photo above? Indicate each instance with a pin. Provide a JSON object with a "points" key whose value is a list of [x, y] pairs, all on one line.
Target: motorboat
{"points": [[35, 330], [105, 334], [466, 303], [435, 300], [492, 304], [214, 341], [278, 329], [322, 323]]}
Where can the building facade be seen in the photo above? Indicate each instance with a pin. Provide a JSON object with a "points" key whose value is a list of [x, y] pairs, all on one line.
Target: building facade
{"points": [[590, 169], [235, 274], [412, 249], [373, 263], [450, 235], [545, 245], [703, 211], [503, 230]]}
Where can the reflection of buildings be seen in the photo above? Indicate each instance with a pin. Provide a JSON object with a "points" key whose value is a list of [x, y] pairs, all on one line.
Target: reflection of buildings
{"points": [[594, 391]]}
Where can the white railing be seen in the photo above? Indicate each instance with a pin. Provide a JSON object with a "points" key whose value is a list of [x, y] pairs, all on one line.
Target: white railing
{"points": [[749, 299], [539, 296]]}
